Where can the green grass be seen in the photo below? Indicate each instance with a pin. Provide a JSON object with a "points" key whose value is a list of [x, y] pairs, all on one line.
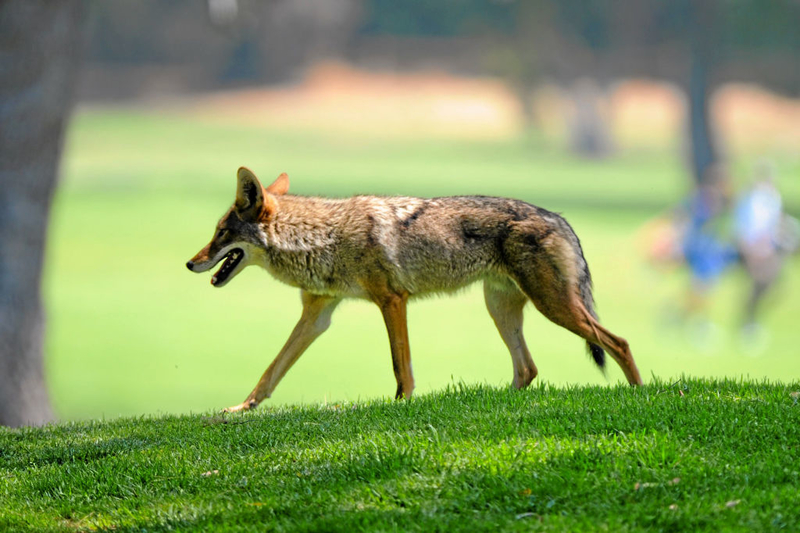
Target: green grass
{"points": [[131, 331], [694, 455]]}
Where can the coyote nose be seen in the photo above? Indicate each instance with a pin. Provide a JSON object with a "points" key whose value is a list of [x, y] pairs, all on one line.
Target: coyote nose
{"points": [[190, 265]]}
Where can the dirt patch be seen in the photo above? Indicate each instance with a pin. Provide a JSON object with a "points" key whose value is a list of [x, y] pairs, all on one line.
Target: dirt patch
{"points": [[338, 98], [341, 99]]}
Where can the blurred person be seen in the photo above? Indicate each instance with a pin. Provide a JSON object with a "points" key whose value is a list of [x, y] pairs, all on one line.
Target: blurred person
{"points": [[764, 236], [698, 233], [707, 243]]}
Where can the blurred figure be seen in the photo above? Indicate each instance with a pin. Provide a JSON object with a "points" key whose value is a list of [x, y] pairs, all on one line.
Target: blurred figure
{"points": [[764, 236], [697, 233], [709, 234], [707, 239]]}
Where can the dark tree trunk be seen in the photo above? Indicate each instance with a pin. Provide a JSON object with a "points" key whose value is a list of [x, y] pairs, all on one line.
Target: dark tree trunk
{"points": [[40, 43], [703, 150], [703, 146]]}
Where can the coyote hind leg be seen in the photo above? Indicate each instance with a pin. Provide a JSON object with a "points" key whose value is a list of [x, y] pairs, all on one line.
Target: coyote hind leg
{"points": [[560, 303], [505, 303], [617, 347]]}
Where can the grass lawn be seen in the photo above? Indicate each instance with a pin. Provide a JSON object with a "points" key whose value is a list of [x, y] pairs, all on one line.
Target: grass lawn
{"points": [[131, 331], [693, 455]]}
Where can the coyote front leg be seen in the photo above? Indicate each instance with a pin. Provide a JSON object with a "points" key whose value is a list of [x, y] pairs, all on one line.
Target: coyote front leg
{"points": [[393, 307], [316, 318]]}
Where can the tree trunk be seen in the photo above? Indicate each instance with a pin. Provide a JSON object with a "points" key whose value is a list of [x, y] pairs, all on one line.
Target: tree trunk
{"points": [[703, 147], [40, 46]]}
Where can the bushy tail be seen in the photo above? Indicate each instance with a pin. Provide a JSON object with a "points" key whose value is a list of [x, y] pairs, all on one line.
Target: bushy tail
{"points": [[584, 285], [585, 288], [597, 354]]}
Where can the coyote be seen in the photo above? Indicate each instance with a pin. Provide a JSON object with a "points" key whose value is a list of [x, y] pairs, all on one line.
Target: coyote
{"points": [[390, 249]]}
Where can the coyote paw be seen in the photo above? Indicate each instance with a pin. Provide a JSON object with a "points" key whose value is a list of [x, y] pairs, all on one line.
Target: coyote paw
{"points": [[244, 406]]}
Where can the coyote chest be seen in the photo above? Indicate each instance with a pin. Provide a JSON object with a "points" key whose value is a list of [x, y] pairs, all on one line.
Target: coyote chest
{"points": [[388, 249]]}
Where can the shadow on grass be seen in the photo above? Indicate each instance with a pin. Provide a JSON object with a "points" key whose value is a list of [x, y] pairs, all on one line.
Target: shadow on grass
{"points": [[573, 489]]}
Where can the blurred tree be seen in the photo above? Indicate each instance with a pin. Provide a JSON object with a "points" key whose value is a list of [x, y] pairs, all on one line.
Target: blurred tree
{"points": [[204, 43], [698, 44], [585, 45], [702, 38], [40, 43], [292, 34], [582, 45]]}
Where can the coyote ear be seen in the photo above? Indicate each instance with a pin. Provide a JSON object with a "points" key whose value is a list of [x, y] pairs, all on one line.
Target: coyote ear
{"points": [[249, 194], [280, 185]]}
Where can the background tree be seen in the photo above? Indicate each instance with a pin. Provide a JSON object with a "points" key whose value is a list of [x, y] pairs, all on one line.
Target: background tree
{"points": [[40, 45], [697, 44]]}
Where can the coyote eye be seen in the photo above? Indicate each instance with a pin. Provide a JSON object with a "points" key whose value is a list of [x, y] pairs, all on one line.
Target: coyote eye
{"points": [[221, 233]]}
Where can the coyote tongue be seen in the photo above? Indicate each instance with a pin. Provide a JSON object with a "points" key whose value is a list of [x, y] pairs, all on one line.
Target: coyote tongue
{"points": [[231, 260]]}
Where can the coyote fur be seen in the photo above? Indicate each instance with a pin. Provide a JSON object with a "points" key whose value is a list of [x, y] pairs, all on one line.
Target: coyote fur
{"points": [[390, 249]]}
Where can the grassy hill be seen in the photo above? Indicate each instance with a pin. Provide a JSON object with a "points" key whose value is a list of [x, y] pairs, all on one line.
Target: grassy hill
{"points": [[692, 455]]}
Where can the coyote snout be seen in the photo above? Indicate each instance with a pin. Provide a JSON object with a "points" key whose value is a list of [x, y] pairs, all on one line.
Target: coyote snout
{"points": [[390, 249], [234, 262]]}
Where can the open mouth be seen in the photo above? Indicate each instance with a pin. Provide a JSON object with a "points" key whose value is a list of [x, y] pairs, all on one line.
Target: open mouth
{"points": [[232, 259]]}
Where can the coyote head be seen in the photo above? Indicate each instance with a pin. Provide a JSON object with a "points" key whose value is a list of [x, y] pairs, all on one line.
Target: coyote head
{"points": [[237, 235]]}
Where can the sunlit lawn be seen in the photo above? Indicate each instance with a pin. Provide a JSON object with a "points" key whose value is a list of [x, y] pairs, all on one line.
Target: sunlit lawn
{"points": [[131, 331]]}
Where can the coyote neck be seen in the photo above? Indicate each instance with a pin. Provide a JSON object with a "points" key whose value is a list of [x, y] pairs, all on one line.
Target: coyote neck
{"points": [[300, 225], [300, 242]]}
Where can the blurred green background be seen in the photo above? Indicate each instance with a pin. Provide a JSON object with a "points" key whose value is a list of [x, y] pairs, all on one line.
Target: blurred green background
{"points": [[131, 331]]}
